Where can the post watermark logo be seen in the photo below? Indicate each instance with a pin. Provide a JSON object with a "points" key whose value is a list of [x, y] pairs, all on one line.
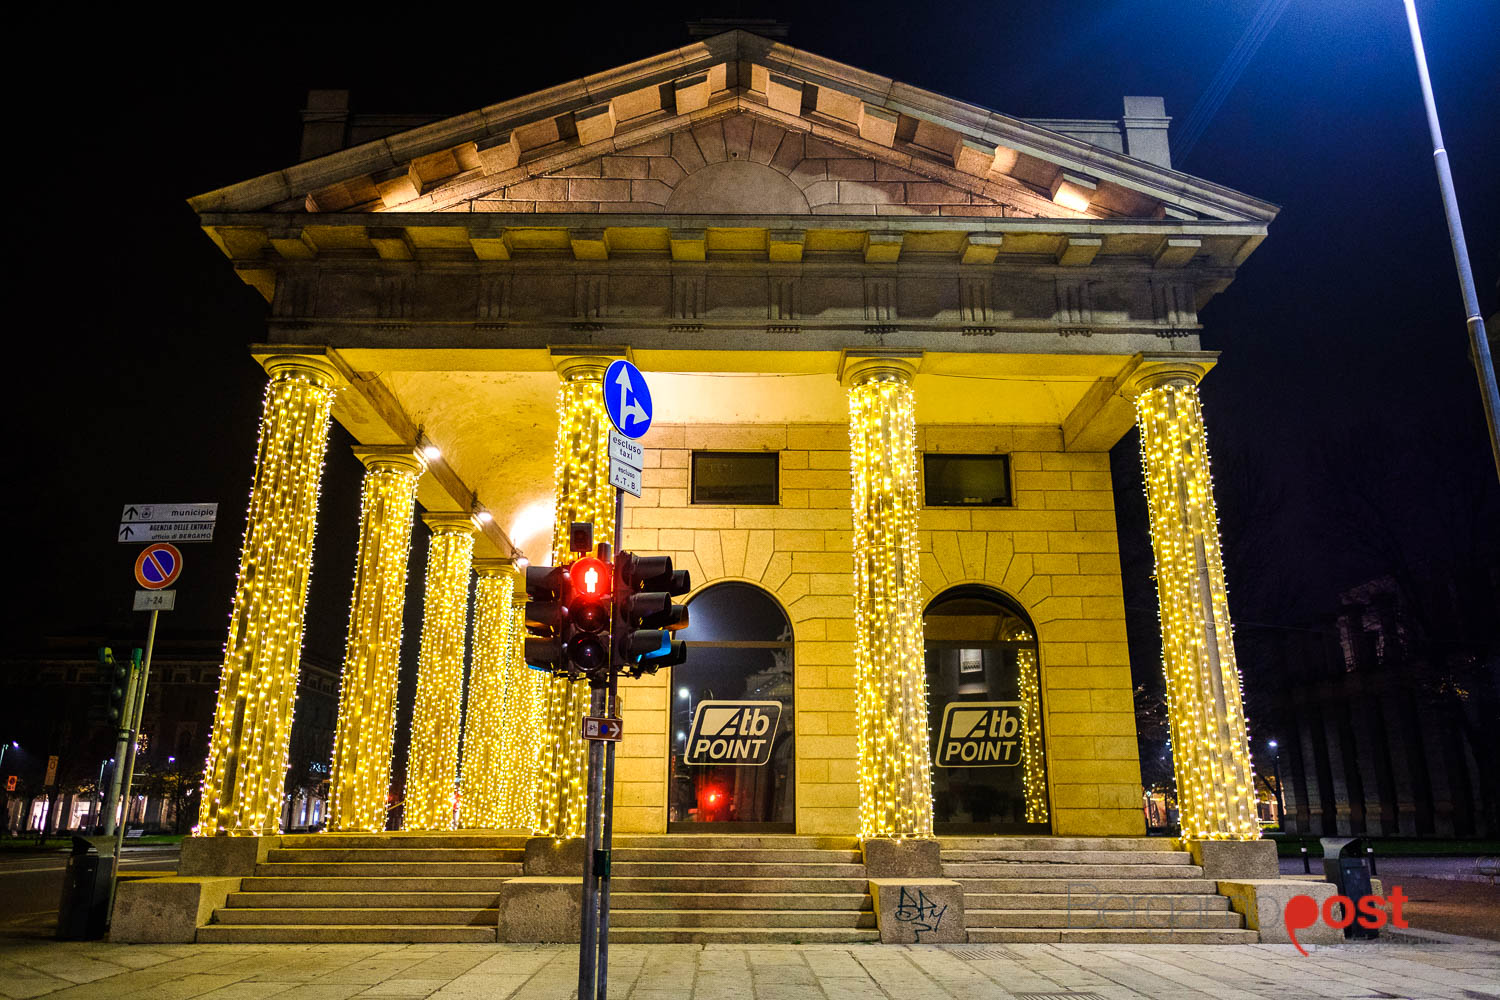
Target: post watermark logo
{"points": [[1302, 912], [733, 732], [980, 734]]}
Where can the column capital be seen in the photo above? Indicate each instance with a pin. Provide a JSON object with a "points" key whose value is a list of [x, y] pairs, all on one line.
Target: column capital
{"points": [[1155, 370], [586, 361], [315, 368], [859, 367], [446, 523], [395, 457], [495, 566]]}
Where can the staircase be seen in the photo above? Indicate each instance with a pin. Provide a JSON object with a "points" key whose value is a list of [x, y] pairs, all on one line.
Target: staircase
{"points": [[741, 889], [390, 887], [1135, 890]]}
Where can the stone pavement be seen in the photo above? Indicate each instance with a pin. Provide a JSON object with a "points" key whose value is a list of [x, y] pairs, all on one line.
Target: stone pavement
{"points": [[93, 971]]}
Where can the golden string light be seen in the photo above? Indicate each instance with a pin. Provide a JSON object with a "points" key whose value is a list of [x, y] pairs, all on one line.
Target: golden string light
{"points": [[520, 728], [360, 780], [479, 802], [247, 755], [895, 785], [1033, 759], [1210, 746], [581, 476], [432, 760]]}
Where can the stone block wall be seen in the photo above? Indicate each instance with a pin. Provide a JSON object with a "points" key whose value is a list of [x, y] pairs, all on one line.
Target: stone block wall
{"points": [[1055, 552]]}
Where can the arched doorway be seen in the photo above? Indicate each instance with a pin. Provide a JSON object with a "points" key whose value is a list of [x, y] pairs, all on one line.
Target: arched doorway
{"points": [[989, 771], [732, 764]]}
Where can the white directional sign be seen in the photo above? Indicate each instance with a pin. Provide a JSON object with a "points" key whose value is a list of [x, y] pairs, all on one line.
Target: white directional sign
{"points": [[167, 522], [625, 477], [166, 531], [155, 600]]}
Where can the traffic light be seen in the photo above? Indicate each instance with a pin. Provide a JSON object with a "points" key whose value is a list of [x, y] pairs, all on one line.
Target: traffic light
{"points": [[644, 588], [117, 675], [588, 613], [546, 617]]}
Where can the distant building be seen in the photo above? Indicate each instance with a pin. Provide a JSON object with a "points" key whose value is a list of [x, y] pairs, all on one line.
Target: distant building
{"points": [[53, 702]]}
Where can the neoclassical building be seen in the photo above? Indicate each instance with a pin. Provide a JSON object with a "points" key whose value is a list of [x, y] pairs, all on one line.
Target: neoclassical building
{"points": [[890, 337]]}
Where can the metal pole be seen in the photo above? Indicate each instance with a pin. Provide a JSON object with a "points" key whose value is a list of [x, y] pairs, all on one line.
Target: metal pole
{"points": [[589, 934], [1479, 346], [122, 742], [136, 711], [608, 821]]}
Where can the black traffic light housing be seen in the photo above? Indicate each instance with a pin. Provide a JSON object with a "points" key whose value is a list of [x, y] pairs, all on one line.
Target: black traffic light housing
{"points": [[644, 588], [587, 646], [117, 675], [547, 596]]}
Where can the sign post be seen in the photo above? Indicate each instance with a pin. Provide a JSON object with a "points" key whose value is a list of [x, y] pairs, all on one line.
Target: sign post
{"points": [[628, 401]]}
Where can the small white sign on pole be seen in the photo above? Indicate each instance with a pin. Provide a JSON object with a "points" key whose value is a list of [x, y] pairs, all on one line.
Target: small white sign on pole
{"points": [[625, 477], [155, 600], [625, 451]]}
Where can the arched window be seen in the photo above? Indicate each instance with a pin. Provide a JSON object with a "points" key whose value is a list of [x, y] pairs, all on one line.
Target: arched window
{"points": [[989, 771], [732, 763]]}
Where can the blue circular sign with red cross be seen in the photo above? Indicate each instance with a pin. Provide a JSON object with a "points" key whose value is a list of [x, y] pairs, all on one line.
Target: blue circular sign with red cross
{"points": [[158, 566]]}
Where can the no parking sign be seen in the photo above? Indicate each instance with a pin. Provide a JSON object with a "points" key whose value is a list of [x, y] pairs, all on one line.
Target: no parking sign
{"points": [[158, 566]]}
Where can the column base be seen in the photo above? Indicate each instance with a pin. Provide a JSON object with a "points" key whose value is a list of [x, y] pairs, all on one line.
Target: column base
{"points": [[1262, 902], [553, 856], [167, 910], [224, 855], [887, 858], [1235, 859], [919, 910], [540, 910]]}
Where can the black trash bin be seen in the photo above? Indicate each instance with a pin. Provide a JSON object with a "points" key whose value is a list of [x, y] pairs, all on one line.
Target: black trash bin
{"points": [[1346, 865], [83, 911]]}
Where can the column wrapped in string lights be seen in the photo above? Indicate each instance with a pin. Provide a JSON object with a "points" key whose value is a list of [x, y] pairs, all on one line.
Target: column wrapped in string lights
{"points": [[1210, 746], [895, 783], [361, 775], [1033, 759], [520, 728], [436, 720], [581, 478], [247, 750], [489, 669]]}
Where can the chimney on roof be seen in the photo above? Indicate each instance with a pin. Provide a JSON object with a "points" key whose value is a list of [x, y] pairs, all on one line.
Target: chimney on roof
{"points": [[1145, 125], [766, 27], [325, 123]]}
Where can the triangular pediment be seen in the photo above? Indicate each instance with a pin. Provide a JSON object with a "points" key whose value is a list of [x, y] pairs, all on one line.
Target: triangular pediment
{"points": [[738, 124]]}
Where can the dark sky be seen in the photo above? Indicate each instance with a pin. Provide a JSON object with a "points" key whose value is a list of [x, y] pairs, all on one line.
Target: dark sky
{"points": [[1346, 326]]}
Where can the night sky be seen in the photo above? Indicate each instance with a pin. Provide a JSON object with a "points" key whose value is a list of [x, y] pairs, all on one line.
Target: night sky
{"points": [[1345, 370]]}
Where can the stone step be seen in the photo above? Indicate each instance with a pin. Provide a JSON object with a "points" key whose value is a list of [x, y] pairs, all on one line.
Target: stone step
{"points": [[453, 838], [344, 934], [1055, 844], [1092, 919], [716, 855], [1191, 935], [1071, 857], [1091, 901], [1176, 886], [1005, 869], [740, 919], [386, 855], [362, 899], [742, 935], [371, 884], [732, 869], [321, 916], [632, 883], [740, 901], [711, 841], [422, 869]]}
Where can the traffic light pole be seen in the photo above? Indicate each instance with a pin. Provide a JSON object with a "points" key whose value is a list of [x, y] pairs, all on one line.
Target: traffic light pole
{"points": [[609, 783], [122, 744], [137, 710]]}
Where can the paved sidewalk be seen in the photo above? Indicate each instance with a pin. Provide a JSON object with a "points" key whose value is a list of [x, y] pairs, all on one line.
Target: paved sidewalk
{"points": [[89, 971]]}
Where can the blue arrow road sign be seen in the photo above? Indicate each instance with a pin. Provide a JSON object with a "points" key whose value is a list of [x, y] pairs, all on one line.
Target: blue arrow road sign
{"points": [[627, 399]]}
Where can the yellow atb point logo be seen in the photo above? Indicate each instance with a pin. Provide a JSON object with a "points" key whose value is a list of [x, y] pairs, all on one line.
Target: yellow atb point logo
{"points": [[980, 734], [733, 732]]}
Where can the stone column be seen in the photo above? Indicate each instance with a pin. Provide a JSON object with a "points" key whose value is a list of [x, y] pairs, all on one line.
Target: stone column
{"points": [[489, 663], [890, 674], [581, 475], [520, 727], [1210, 751], [432, 760], [361, 775], [247, 750]]}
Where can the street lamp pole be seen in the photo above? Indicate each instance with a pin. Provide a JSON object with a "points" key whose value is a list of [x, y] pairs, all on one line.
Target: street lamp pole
{"points": [[1280, 800], [1479, 346]]}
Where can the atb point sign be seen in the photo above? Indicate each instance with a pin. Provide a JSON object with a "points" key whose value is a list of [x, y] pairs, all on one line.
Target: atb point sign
{"points": [[627, 399], [158, 566]]}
